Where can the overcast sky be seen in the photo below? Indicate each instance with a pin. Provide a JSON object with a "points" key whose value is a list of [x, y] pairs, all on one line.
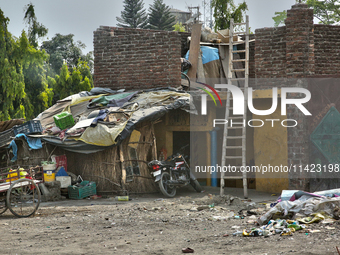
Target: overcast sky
{"points": [[82, 17]]}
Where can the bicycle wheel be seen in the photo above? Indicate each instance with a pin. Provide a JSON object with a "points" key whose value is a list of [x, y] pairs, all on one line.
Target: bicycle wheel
{"points": [[23, 198], [3, 206]]}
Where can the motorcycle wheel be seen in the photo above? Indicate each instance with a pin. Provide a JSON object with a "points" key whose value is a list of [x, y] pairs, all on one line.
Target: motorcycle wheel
{"points": [[195, 184], [167, 190]]}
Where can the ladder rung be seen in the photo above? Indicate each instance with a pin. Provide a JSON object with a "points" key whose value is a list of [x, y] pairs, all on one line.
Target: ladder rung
{"points": [[238, 79], [238, 51], [233, 157], [234, 147], [233, 177], [238, 60], [235, 127], [234, 137], [235, 118], [238, 70], [240, 24], [240, 33]]}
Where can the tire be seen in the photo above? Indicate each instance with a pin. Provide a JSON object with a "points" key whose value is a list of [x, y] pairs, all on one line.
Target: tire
{"points": [[23, 198], [3, 205], [186, 78], [195, 184], [167, 190]]}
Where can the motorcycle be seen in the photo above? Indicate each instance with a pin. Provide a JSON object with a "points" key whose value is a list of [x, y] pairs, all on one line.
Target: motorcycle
{"points": [[173, 173]]}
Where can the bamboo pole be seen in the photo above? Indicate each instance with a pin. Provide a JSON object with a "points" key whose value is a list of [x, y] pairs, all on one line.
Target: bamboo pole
{"points": [[121, 156]]}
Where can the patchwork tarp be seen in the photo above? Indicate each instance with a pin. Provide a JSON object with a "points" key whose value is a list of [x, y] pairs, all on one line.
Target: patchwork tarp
{"points": [[130, 109]]}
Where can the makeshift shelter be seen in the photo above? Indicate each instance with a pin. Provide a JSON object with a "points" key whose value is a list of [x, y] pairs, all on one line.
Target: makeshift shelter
{"points": [[112, 137]]}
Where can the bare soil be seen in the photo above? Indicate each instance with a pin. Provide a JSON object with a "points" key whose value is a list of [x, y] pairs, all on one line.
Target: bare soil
{"points": [[154, 226]]}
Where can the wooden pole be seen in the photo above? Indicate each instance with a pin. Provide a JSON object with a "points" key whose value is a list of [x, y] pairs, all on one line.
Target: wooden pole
{"points": [[121, 156], [194, 50]]}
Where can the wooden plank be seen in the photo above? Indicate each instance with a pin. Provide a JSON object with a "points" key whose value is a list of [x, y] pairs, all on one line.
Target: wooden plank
{"points": [[194, 50], [224, 57], [200, 69]]}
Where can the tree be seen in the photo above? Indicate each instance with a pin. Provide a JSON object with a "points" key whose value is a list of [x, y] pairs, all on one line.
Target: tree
{"points": [[326, 11], [279, 18], [12, 84], [62, 48], [224, 10], [38, 94], [179, 27], [68, 83], [133, 15], [35, 29], [160, 17]]}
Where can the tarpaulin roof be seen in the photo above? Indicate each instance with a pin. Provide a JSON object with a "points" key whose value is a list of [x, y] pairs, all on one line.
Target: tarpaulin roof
{"points": [[114, 123]]}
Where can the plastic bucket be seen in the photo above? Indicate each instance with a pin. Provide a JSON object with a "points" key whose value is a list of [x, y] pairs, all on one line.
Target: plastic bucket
{"points": [[49, 172], [49, 175]]}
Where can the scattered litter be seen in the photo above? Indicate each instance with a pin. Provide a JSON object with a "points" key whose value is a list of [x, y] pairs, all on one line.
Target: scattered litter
{"points": [[313, 230], [187, 250], [235, 227]]}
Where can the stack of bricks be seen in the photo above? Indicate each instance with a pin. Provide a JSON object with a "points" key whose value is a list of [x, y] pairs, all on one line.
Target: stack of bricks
{"points": [[136, 59]]}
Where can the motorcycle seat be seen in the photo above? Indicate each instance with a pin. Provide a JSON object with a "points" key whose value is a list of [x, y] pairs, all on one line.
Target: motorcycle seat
{"points": [[168, 163]]}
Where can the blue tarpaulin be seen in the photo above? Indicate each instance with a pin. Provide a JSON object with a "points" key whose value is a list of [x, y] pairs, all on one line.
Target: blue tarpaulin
{"points": [[34, 143], [208, 54]]}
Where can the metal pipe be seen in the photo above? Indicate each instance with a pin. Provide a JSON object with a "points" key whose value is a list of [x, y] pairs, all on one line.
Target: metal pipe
{"points": [[213, 160]]}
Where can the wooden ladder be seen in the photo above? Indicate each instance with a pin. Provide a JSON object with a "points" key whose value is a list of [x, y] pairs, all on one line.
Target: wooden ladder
{"points": [[234, 138]]}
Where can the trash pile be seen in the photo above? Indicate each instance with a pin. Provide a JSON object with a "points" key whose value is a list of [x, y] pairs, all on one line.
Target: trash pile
{"points": [[321, 205], [281, 227], [293, 213]]}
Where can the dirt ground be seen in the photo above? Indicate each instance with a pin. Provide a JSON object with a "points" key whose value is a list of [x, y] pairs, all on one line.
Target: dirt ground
{"points": [[152, 225]]}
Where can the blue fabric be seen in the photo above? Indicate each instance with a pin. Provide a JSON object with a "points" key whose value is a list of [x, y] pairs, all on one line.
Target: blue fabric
{"points": [[34, 143], [208, 54], [61, 172], [14, 150], [101, 116]]}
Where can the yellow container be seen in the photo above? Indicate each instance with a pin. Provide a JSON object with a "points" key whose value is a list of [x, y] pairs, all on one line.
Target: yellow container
{"points": [[122, 198], [14, 176], [49, 175]]}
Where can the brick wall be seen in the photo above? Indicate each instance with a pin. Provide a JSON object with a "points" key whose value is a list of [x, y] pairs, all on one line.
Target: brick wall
{"points": [[184, 43], [327, 49], [270, 52], [299, 41], [136, 59]]}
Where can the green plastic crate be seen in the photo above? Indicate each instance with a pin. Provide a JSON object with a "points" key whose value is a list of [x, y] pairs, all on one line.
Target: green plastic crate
{"points": [[63, 120], [86, 189]]}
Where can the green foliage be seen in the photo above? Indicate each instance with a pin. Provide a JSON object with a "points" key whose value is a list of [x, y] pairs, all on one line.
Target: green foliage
{"points": [[327, 12], [26, 90], [38, 95], [133, 15], [279, 18], [160, 17], [179, 27], [12, 84], [62, 48], [35, 29], [224, 10], [68, 83]]}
